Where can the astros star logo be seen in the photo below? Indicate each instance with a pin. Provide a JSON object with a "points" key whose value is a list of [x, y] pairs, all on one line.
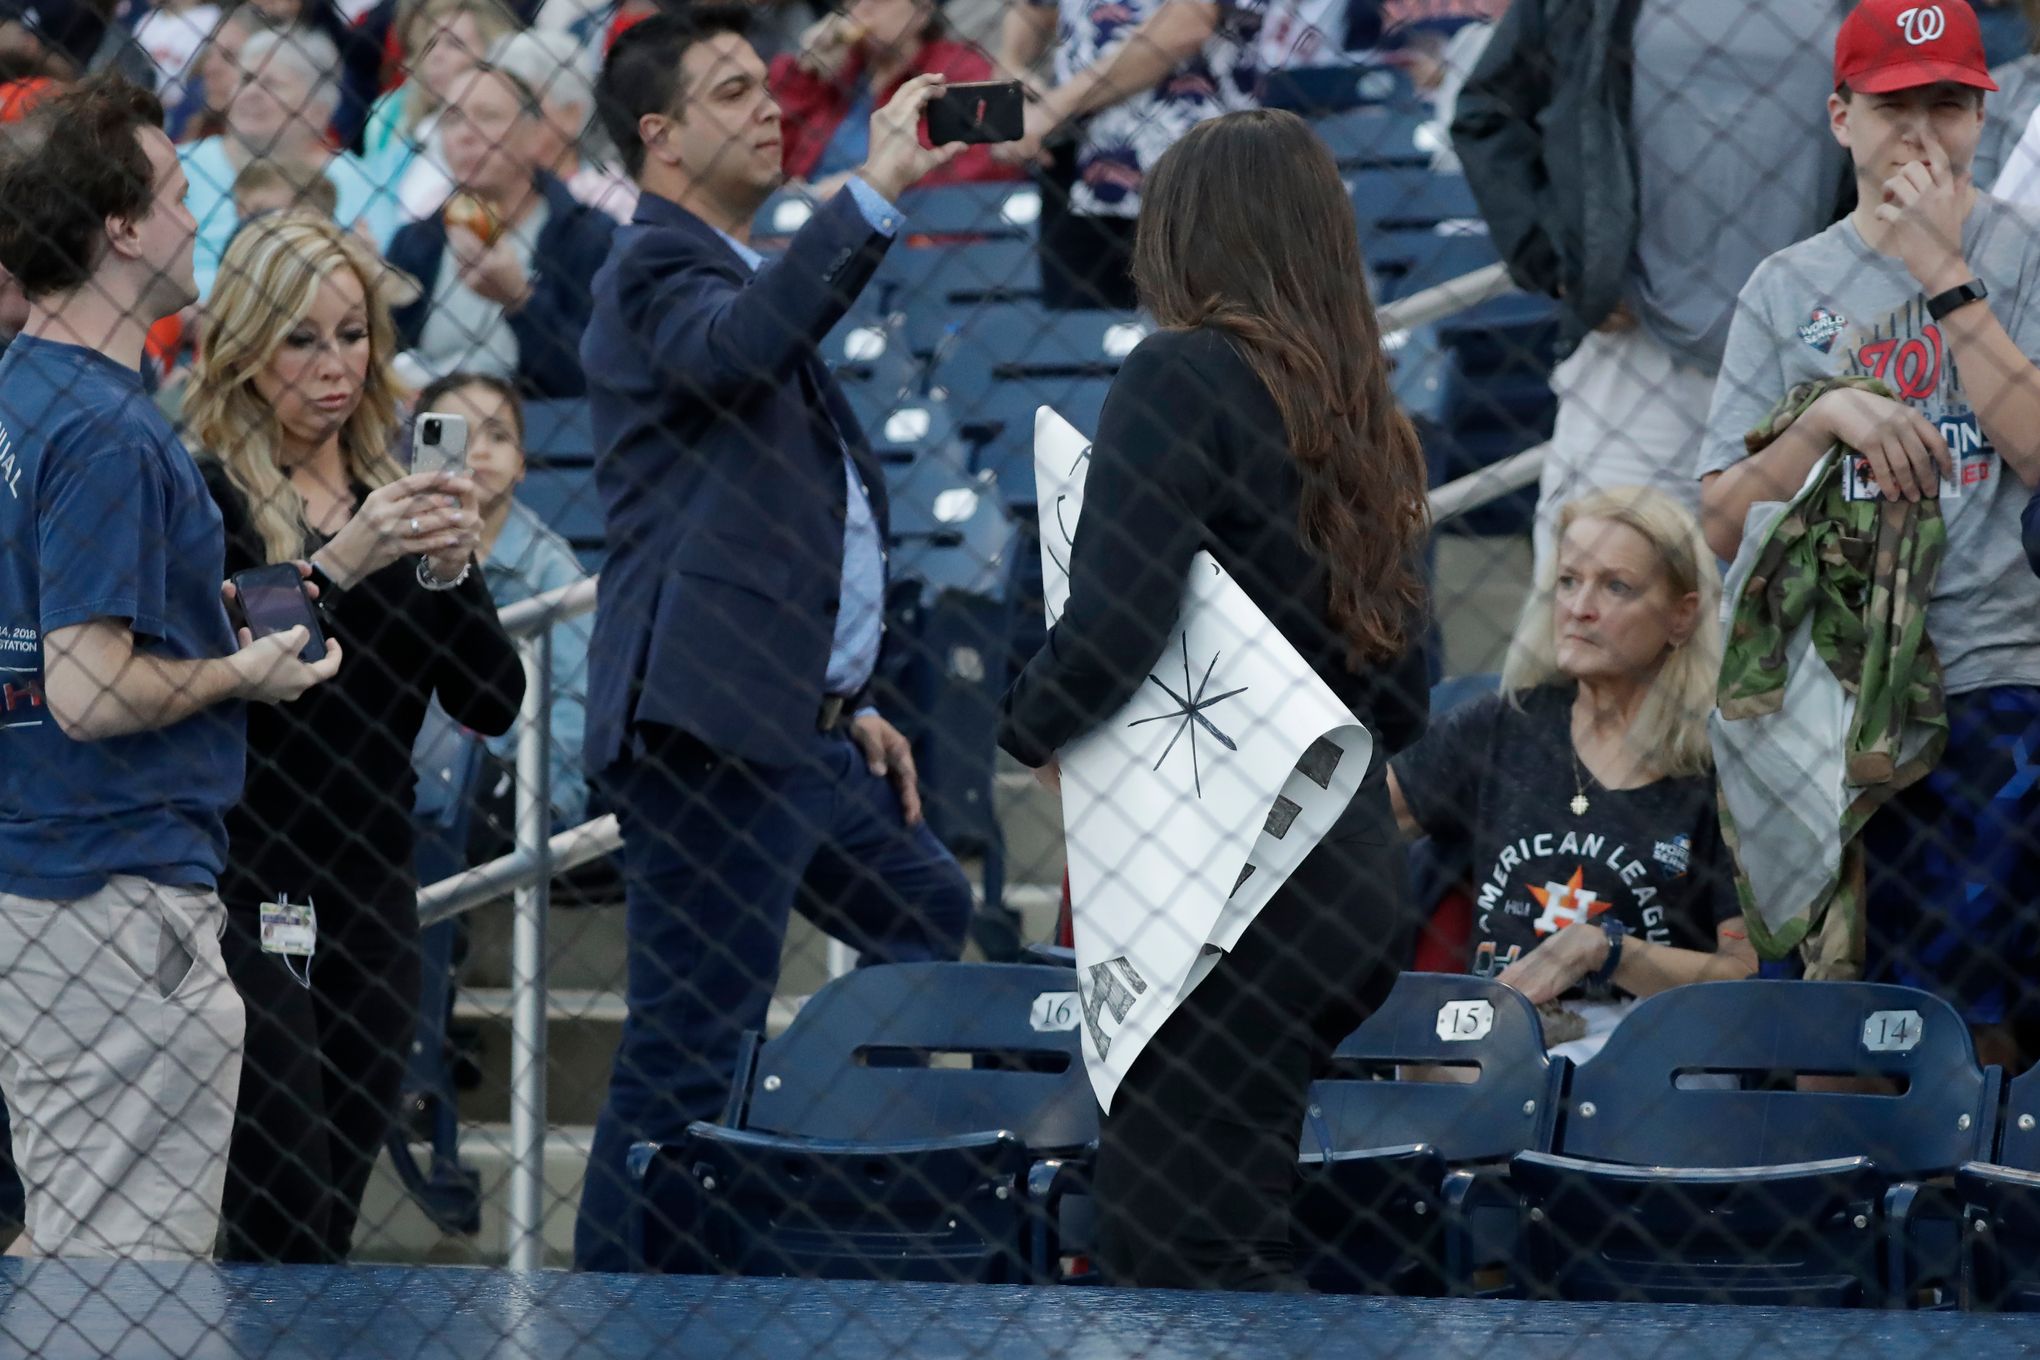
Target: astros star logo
{"points": [[1566, 903]]}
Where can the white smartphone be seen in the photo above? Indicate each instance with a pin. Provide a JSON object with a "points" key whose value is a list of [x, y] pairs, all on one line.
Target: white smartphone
{"points": [[439, 442]]}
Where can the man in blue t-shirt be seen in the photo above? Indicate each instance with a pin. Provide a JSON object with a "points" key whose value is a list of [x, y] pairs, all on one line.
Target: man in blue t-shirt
{"points": [[121, 743]]}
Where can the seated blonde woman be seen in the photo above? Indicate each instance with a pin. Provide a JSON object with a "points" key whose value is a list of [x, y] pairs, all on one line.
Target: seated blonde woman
{"points": [[1585, 787]]}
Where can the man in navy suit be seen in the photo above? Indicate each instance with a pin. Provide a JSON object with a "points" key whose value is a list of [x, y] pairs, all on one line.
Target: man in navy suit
{"points": [[739, 625]]}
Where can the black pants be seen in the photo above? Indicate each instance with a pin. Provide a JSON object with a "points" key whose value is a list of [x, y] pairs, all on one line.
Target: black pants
{"points": [[1086, 262], [1197, 1161], [320, 1082]]}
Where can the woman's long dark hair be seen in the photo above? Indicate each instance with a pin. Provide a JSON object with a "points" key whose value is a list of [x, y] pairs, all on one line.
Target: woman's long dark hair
{"points": [[1245, 225]]}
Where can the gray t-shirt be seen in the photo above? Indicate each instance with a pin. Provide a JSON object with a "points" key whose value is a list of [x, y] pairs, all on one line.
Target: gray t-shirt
{"points": [[1831, 306], [1734, 159]]}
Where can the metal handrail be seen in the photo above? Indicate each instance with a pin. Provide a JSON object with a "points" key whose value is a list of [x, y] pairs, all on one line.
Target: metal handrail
{"points": [[570, 849], [1445, 299]]}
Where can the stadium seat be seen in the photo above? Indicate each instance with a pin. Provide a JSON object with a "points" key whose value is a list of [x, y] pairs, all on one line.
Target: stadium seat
{"points": [[961, 211], [1013, 359], [1375, 136], [933, 284], [558, 433], [1395, 1169], [1405, 198], [564, 498], [2001, 1225], [889, 1133], [1316, 91], [1666, 1190]]}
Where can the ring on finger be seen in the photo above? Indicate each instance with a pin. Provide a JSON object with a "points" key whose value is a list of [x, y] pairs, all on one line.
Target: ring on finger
{"points": [[414, 527]]}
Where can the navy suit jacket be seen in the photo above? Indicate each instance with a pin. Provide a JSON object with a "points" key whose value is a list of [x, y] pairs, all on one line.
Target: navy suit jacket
{"points": [[569, 249], [721, 475]]}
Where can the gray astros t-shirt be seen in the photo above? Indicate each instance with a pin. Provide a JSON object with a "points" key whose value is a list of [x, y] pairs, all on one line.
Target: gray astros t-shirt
{"points": [[1829, 306]]}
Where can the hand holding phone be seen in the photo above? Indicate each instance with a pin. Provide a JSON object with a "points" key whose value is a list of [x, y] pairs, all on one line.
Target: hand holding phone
{"points": [[272, 600], [978, 113]]}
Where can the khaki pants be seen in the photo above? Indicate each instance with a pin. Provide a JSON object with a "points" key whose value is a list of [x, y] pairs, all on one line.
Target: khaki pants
{"points": [[120, 1057], [1629, 414]]}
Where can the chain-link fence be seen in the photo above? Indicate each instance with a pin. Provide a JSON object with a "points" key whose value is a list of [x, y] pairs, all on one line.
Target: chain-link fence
{"points": [[1429, 695]]}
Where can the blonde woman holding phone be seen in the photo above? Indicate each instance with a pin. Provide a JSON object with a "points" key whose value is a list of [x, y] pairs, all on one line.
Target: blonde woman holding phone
{"points": [[295, 408]]}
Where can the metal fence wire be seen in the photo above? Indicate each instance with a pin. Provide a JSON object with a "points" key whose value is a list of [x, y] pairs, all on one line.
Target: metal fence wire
{"points": [[1385, 652]]}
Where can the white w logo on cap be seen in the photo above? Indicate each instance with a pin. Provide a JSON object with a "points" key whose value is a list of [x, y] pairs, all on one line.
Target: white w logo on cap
{"points": [[1922, 25]]}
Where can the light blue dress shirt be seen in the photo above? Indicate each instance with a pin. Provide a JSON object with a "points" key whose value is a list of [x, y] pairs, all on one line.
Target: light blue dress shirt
{"points": [[853, 654]]}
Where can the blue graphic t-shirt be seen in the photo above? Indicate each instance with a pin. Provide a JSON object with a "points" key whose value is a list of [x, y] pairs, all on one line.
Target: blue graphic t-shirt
{"points": [[103, 515], [1121, 144]]}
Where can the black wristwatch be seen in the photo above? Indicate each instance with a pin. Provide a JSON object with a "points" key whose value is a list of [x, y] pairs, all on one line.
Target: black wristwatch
{"points": [[1939, 305], [329, 589], [1617, 933]]}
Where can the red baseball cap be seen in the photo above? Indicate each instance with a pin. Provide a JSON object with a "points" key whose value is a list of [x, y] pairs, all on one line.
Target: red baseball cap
{"points": [[1888, 45]]}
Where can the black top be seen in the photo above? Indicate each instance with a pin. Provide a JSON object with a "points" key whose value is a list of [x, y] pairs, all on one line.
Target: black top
{"points": [[330, 784], [1190, 455], [1503, 778]]}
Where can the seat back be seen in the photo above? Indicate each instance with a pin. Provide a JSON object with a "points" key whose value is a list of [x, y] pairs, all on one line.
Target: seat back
{"points": [[1442, 1019], [1626, 1104], [2020, 1146], [1406, 198], [996, 211], [1376, 135], [899, 1052]]}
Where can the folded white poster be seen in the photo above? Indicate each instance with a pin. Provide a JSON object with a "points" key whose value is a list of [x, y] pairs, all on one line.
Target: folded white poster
{"points": [[1185, 811]]}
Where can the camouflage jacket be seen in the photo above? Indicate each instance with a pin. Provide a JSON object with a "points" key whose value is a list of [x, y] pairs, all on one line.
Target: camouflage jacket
{"points": [[1857, 575]]}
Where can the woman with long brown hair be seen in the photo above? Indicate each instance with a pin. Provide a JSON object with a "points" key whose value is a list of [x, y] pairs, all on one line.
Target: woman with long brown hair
{"points": [[1257, 425]]}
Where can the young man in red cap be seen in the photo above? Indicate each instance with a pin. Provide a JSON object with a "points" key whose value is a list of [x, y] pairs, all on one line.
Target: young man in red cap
{"points": [[1933, 287]]}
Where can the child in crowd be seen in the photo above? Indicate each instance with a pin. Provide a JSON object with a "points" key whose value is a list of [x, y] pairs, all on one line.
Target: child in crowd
{"points": [[268, 186], [1928, 286]]}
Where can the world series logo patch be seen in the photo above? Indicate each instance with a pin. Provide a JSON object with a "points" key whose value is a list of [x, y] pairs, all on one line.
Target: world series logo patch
{"points": [[1822, 327]]}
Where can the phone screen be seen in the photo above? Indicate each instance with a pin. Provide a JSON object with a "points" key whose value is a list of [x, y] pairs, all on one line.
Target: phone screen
{"points": [[273, 600], [978, 112]]}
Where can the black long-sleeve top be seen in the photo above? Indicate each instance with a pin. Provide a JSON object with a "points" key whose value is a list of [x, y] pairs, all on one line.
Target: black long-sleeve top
{"points": [[328, 802], [1190, 455]]}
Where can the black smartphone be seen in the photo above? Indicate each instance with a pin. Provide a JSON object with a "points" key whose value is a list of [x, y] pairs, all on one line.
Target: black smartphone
{"points": [[273, 600], [976, 112]]}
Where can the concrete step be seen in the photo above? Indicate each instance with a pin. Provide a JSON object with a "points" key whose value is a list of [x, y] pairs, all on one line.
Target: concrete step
{"points": [[394, 1229]]}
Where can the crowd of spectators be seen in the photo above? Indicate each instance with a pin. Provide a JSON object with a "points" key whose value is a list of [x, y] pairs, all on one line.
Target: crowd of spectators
{"points": [[402, 206]]}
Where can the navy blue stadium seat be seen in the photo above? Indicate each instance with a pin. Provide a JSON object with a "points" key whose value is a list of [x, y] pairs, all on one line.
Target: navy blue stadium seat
{"points": [[950, 613], [1405, 198], [1395, 1169], [559, 433], [1315, 91], [564, 498], [2001, 1225], [932, 284], [963, 211], [1009, 360], [1670, 1191], [889, 1133], [1375, 136]]}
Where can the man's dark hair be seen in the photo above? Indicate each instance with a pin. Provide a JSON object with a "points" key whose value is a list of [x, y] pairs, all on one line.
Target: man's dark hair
{"points": [[642, 72], [77, 161]]}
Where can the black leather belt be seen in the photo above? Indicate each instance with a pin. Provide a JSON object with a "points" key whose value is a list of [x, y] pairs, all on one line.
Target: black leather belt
{"points": [[835, 709]]}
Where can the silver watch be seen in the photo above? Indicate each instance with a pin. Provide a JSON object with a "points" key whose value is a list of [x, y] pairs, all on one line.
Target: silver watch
{"points": [[431, 582]]}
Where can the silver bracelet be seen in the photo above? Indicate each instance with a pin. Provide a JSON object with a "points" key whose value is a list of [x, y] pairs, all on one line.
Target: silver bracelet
{"points": [[431, 582]]}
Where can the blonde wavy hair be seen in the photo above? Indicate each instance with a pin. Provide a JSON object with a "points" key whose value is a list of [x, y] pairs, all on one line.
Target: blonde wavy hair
{"points": [[267, 284], [1670, 733]]}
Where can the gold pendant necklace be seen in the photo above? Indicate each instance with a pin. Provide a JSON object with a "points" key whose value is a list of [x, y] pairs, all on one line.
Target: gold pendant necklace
{"points": [[1579, 801]]}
